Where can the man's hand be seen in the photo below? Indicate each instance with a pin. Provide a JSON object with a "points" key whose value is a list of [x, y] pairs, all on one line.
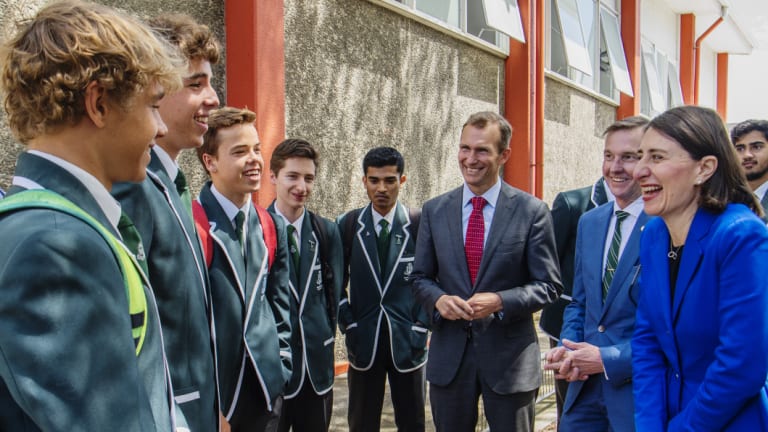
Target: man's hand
{"points": [[581, 360], [453, 308], [484, 304]]}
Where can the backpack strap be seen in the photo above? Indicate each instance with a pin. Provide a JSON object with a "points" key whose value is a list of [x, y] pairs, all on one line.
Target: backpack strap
{"points": [[270, 233], [203, 231], [349, 233], [414, 214], [325, 267], [129, 267]]}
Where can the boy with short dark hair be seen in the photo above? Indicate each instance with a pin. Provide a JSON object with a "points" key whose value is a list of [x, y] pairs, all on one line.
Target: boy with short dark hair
{"points": [[160, 207], [315, 282]]}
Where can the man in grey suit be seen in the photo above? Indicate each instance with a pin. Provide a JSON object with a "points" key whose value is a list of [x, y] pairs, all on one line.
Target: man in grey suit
{"points": [[595, 353], [750, 138], [485, 262]]}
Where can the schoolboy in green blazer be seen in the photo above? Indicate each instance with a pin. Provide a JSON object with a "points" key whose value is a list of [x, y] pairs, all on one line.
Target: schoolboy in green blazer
{"points": [[160, 210], [385, 328], [69, 360], [250, 295], [316, 259]]}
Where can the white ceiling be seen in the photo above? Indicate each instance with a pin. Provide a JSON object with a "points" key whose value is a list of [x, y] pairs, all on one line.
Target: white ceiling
{"points": [[745, 26]]}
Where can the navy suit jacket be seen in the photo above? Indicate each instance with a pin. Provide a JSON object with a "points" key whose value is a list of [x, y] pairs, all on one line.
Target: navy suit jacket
{"points": [[608, 325], [699, 360], [567, 208], [519, 263]]}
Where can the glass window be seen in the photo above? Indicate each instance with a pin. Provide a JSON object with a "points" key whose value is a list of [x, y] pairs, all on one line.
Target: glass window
{"points": [[585, 45], [501, 15], [616, 56], [444, 10], [577, 55], [660, 87]]}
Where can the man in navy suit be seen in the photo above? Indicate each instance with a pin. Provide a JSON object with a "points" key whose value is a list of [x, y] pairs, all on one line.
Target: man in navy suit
{"points": [[595, 356], [485, 262]]}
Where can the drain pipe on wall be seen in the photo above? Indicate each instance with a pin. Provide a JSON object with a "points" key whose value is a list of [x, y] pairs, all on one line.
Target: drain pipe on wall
{"points": [[697, 51]]}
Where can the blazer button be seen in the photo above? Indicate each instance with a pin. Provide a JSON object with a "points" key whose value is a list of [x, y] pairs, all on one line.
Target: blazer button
{"points": [[601, 328]]}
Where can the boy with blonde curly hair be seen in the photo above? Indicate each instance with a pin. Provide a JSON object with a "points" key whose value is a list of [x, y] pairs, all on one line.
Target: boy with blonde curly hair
{"points": [[80, 336]]}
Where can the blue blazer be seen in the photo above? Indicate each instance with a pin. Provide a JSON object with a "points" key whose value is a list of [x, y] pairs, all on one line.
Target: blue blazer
{"points": [[700, 360], [608, 325]]}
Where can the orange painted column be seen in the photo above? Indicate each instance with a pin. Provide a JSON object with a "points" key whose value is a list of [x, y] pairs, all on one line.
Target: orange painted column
{"points": [[524, 101], [687, 57], [722, 85], [256, 72], [630, 37]]}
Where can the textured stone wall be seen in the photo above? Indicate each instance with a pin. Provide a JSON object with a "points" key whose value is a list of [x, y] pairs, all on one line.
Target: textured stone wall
{"points": [[573, 145], [360, 76], [209, 12]]}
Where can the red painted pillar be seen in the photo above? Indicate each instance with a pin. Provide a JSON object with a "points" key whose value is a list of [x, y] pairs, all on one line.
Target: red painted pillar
{"points": [[630, 37], [524, 101], [256, 72], [687, 57], [722, 85]]}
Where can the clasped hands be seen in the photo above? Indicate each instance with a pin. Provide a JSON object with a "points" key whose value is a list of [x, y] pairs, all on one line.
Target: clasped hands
{"points": [[478, 306], [574, 361]]}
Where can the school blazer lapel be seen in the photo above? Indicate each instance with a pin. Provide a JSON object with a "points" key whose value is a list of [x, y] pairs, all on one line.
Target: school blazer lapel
{"points": [[398, 239], [366, 236]]}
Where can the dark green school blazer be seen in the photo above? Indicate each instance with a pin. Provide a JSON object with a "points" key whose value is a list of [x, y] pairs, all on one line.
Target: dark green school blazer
{"points": [[314, 331], [67, 356], [251, 304], [180, 283], [379, 297]]}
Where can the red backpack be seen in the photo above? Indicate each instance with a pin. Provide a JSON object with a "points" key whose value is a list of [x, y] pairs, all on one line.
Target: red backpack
{"points": [[204, 228]]}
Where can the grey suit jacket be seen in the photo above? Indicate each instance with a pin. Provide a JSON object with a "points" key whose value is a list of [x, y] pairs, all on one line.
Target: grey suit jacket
{"points": [[519, 264]]}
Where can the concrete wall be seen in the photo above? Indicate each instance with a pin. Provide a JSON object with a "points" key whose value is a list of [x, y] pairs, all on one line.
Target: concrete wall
{"points": [[357, 76], [360, 76], [209, 12], [574, 122]]}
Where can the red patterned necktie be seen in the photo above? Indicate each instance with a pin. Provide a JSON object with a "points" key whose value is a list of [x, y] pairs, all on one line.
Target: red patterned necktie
{"points": [[473, 246]]}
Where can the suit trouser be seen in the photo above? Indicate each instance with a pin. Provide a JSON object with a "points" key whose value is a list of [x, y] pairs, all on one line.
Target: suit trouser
{"points": [[455, 406], [307, 411], [251, 413], [366, 393]]}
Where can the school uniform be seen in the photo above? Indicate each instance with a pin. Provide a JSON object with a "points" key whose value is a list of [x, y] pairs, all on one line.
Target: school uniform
{"points": [[180, 284], [385, 328], [309, 395], [69, 360], [251, 304]]}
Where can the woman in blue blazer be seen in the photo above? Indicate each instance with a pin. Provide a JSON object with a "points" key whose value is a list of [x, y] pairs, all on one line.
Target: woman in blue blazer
{"points": [[700, 347]]}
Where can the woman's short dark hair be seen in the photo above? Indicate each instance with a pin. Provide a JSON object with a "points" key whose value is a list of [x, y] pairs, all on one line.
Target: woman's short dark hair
{"points": [[701, 132]]}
